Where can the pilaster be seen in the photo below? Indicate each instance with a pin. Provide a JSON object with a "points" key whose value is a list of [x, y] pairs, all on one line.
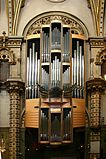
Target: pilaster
{"points": [[95, 88], [15, 89]]}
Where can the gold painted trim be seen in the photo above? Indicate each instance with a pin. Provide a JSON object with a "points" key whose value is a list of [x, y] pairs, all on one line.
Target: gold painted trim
{"points": [[78, 36], [46, 25], [33, 36], [55, 21], [66, 26], [55, 51]]}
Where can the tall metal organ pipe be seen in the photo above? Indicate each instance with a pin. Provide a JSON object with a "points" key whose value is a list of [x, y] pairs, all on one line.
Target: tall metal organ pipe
{"points": [[78, 70], [33, 65]]}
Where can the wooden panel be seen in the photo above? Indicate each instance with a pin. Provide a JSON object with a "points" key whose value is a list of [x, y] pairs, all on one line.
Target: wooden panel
{"points": [[32, 113], [78, 112]]}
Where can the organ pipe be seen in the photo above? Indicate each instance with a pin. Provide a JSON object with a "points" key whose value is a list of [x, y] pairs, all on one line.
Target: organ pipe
{"points": [[66, 41], [45, 47], [78, 71], [55, 72], [56, 38], [33, 66]]}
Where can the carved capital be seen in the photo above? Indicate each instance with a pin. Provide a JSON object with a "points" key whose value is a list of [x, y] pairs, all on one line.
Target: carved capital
{"points": [[15, 86], [96, 42], [96, 84]]}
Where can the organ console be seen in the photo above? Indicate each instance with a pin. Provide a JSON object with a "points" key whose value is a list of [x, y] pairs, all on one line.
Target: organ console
{"points": [[55, 65]]}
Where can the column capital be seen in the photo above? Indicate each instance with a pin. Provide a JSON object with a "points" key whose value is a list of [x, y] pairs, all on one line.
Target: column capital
{"points": [[96, 84], [96, 42], [15, 86]]}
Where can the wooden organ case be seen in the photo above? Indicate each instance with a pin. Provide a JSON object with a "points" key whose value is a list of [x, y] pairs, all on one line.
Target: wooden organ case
{"points": [[55, 84]]}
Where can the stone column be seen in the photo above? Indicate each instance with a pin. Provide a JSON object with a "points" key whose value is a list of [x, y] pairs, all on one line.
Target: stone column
{"points": [[95, 88], [15, 89]]}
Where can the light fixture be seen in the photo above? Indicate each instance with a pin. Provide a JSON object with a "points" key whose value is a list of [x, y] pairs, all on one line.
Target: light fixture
{"points": [[56, 1]]}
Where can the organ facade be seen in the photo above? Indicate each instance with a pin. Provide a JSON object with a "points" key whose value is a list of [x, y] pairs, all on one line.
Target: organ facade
{"points": [[52, 79]]}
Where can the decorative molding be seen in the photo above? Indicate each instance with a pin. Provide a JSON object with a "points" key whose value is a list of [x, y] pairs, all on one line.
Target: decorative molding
{"points": [[97, 10], [101, 21], [35, 25], [96, 42], [10, 16], [14, 8], [19, 5]]}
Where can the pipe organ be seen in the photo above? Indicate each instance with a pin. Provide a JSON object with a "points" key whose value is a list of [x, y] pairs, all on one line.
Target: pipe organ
{"points": [[55, 74]]}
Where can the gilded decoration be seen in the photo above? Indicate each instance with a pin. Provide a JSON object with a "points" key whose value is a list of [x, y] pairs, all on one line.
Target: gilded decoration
{"points": [[35, 28], [6, 54]]}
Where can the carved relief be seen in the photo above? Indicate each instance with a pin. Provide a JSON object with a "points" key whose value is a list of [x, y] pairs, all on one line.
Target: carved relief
{"points": [[5, 53], [101, 56], [36, 26]]}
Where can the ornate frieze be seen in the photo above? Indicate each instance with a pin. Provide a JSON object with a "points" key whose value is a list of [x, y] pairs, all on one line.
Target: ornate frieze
{"points": [[96, 42]]}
